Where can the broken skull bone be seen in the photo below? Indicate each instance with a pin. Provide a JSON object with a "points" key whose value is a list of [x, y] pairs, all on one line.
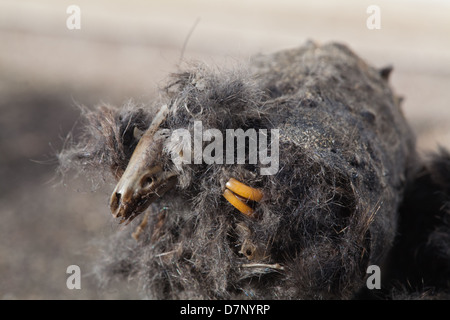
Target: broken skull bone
{"points": [[145, 180]]}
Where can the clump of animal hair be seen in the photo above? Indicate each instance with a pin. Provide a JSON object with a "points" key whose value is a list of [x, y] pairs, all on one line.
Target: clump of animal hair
{"points": [[107, 140], [347, 156]]}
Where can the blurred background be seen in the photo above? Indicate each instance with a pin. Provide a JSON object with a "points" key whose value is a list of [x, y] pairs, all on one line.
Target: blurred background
{"points": [[126, 50]]}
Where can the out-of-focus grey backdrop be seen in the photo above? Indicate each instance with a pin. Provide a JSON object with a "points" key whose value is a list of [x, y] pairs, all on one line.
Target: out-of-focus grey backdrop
{"points": [[126, 49]]}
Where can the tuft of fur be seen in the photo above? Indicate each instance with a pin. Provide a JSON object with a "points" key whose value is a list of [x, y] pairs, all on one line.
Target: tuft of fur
{"points": [[347, 157], [107, 142]]}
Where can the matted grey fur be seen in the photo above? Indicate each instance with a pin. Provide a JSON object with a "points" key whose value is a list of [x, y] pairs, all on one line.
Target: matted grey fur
{"points": [[346, 157]]}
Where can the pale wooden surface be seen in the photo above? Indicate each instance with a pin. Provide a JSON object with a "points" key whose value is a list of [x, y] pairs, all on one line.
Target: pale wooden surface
{"points": [[126, 50]]}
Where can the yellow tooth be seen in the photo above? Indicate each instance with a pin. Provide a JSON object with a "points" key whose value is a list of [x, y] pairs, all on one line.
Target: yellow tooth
{"points": [[237, 203], [244, 191]]}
